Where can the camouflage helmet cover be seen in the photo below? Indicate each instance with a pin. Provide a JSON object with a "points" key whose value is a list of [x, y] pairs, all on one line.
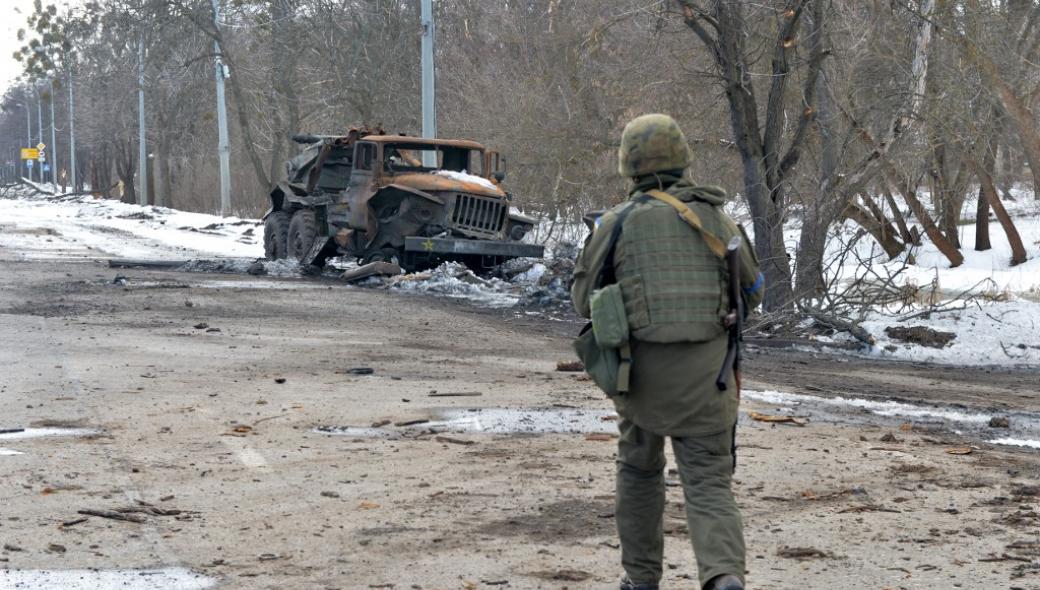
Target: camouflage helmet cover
{"points": [[652, 143]]}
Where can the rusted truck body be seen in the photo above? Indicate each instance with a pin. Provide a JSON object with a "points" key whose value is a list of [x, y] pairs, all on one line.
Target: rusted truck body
{"points": [[380, 197]]}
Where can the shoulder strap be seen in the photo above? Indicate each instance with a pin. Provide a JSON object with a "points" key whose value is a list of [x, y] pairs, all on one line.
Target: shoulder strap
{"points": [[693, 220], [608, 262]]}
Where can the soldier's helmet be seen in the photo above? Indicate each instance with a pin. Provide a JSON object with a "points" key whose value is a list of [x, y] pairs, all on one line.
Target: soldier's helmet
{"points": [[652, 143]]}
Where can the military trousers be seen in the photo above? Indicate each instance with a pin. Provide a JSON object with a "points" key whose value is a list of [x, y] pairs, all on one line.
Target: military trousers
{"points": [[705, 465]]}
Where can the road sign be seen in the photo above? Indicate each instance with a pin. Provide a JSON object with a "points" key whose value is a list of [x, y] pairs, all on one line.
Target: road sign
{"points": [[46, 167], [41, 146], [29, 163], [42, 158], [30, 153]]}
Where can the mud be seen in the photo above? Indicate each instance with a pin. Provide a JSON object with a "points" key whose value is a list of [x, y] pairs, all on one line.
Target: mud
{"points": [[220, 425]]}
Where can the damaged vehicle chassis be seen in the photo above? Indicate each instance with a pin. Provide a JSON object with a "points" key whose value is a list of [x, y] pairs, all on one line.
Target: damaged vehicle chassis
{"points": [[394, 198]]}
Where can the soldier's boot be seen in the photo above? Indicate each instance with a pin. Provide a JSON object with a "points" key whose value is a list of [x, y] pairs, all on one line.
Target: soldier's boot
{"points": [[726, 582], [627, 584]]}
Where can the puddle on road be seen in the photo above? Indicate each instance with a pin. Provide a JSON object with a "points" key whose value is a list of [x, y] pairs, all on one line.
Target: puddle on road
{"points": [[47, 432], [1023, 430], [494, 421], [157, 579]]}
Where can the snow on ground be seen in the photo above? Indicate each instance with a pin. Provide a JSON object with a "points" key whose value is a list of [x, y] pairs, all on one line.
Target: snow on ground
{"points": [[991, 306], [998, 325], [82, 226], [454, 280], [493, 421], [171, 578]]}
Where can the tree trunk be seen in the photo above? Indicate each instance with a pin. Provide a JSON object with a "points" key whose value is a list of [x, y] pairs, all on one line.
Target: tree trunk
{"points": [[948, 250], [125, 170], [1024, 122], [1018, 251], [897, 215], [982, 223], [882, 232]]}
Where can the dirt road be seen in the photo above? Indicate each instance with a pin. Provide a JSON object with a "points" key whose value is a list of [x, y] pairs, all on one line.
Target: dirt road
{"points": [[201, 396]]}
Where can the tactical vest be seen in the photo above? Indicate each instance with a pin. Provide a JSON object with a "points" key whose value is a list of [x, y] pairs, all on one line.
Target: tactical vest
{"points": [[672, 283]]}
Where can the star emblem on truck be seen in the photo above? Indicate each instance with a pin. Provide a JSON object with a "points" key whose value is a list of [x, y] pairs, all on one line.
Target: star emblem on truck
{"points": [[428, 245]]}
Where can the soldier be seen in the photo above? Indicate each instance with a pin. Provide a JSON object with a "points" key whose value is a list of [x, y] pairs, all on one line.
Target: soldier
{"points": [[672, 280]]}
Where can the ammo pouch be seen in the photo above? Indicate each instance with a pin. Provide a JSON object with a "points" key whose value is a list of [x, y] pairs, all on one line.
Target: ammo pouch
{"points": [[602, 364], [609, 322], [603, 344]]}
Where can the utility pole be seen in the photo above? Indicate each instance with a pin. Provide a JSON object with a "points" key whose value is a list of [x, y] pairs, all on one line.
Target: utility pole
{"points": [[54, 143], [223, 145], [28, 128], [39, 125], [72, 133], [429, 105], [142, 152]]}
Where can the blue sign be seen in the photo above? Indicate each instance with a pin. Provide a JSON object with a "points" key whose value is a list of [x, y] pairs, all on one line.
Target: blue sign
{"points": [[29, 163], [46, 167]]}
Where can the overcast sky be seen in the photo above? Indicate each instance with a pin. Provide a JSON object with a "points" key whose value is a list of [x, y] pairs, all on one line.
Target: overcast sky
{"points": [[12, 17]]}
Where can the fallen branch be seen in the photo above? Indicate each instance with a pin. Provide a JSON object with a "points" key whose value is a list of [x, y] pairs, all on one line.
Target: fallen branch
{"points": [[841, 325], [112, 514]]}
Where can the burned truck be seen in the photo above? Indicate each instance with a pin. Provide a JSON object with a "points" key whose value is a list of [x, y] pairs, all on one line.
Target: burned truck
{"points": [[395, 198]]}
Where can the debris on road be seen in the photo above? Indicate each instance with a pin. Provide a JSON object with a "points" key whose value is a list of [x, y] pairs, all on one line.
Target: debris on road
{"points": [[779, 419], [454, 441], [801, 553], [411, 422], [114, 515], [139, 263], [999, 422], [570, 366], [455, 394], [372, 269]]}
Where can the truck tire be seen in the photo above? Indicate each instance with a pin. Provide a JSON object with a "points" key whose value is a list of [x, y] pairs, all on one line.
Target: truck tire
{"points": [[384, 254], [276, 229], [303, 230]]}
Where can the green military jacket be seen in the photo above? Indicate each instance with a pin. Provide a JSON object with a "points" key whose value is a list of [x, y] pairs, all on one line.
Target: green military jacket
{"points": [[673, 288]]}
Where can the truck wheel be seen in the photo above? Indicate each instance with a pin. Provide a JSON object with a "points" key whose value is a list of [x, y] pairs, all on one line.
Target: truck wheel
{"points": [[276, 228], [303, 230], [384, 254]]}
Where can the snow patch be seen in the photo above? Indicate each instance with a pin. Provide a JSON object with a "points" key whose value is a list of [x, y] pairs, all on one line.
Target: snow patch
{"points": [[9, 452], [465, 176], [1017, 442], [495, 421], [534, 421], [454, 280], [47, 432], [881, 408], [78, 223], [998, 333], [153, 579]]}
